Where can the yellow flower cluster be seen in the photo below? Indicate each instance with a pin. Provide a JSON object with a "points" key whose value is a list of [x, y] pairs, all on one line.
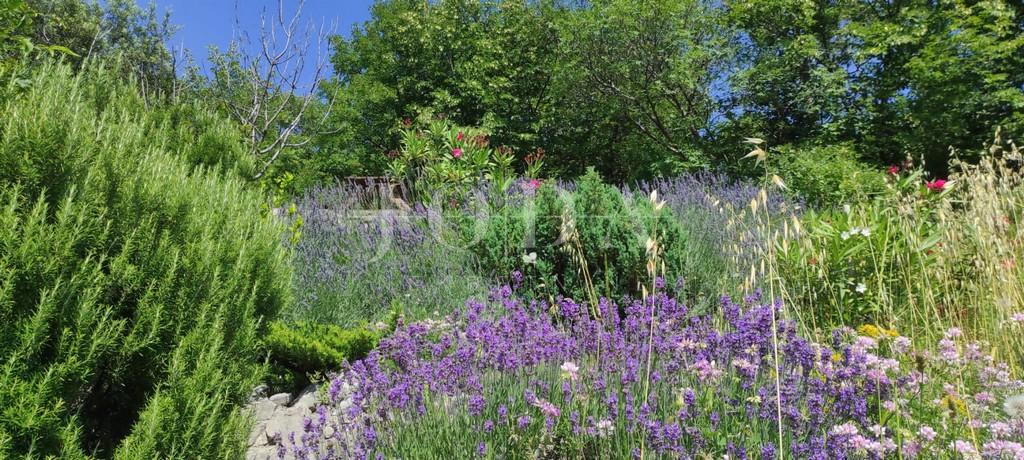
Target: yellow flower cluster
{"points": [[876, 332]]}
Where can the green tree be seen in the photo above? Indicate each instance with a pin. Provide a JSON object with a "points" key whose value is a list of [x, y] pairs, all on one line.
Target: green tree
{"points": [[938, 75], [137, 36], [656, 61], [480, 63], [895, 79]]}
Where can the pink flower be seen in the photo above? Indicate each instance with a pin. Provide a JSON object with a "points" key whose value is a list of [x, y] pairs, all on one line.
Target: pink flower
{"points": [[534, 184], [459, 136], [936, 185], [457, 153], [549, 410], [894, 170]]}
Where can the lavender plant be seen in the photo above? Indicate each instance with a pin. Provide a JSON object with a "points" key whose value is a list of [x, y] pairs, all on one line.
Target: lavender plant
{"points": [[723, 240], [506, 379], [356, 265]]}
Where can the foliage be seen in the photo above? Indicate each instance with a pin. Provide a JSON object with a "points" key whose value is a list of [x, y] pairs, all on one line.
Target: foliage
{"points": [[826, 176], [656, 62], [638, 92], [895, 79], [439, 162], [314, 348], [16, 41], [480, 63], [136, 37], [724, 238], [565, 242], [15, 17], [924, 256], [500, 380], [134, 285]]}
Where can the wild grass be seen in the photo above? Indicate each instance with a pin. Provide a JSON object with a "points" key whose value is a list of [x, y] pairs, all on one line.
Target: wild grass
{"points": [[920, 258]]}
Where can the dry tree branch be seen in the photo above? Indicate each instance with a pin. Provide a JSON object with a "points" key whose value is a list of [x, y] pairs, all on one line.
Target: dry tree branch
{"points": [[281, 84]]}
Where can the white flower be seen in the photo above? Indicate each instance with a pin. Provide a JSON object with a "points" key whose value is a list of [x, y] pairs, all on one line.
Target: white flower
{"points": [[846, 429], [845, 236], [861, 288], [530, 258], [865, 231], [605, 428], [1014, 406], [570, 369]]}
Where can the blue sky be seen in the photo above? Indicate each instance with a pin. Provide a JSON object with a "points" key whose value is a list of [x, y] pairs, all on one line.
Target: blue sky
{"points": [[213, 22]]}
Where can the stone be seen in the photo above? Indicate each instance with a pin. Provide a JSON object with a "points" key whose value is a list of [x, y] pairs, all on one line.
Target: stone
{"points": [[261, 453], [263, 409], [258, 436], [281, 399], [307, 399], [284, 423], [260, 392]]}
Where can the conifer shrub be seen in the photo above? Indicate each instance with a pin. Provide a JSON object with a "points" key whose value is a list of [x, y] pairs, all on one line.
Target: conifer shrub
{"points": [[589, 240], [134, 281], [302, 351]]}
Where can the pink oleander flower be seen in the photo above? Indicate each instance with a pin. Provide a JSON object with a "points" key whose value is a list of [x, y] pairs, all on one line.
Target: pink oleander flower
{"points": [[534, 184], [457, 153], [936, 185]]}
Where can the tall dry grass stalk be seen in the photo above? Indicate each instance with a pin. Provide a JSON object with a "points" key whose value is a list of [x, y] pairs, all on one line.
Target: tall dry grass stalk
{"points": [[915, 260]]}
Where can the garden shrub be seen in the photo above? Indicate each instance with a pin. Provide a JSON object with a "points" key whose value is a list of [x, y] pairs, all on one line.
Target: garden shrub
{"points": [[307, 348], [440, 161], [359, 265], [724, 238], [593, 227], [133, 285], [826, 175]]}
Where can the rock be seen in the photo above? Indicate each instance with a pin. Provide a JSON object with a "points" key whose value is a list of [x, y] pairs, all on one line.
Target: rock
{"points": [[307, 399], [285, 423], [263, 409], [258, 436], [261, 453], [281, 399], [260, 392]]}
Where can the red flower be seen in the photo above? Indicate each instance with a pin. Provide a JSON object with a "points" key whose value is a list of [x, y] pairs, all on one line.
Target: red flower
{"points": [[936, 185], [457, 153], [894, 170], [458, 137]]}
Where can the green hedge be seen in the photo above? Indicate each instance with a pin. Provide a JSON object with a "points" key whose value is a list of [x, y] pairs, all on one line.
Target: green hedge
{"points": [[134, 279]]}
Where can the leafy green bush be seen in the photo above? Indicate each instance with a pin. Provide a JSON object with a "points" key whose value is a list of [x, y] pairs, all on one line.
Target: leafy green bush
{"points": [[439, 160], [826, 175], [307, 347], [593, 235], [133, 285]]}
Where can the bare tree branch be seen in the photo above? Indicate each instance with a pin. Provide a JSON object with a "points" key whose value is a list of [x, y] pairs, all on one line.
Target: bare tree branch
{"points": [[281, 74]]}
